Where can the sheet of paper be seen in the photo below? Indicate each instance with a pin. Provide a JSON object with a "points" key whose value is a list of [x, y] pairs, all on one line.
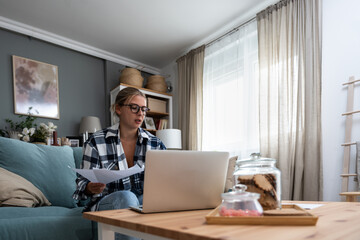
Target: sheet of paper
{"points": [[307, 206], [107, 176]]}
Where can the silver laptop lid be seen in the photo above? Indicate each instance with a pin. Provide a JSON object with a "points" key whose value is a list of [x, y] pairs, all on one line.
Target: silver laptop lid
{"points": [[183, 180]]}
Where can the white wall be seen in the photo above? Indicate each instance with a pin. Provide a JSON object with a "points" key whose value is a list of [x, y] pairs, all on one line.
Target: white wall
{"points": [[341, 59]]}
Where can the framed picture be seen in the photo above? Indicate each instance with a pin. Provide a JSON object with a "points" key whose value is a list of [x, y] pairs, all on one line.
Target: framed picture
{"points": [[36, 86], [74, 142], [149, 123], [50, 141]]}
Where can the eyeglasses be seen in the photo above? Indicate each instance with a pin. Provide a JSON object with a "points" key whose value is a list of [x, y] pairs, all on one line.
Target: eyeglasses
{"points": [[136, 108]]}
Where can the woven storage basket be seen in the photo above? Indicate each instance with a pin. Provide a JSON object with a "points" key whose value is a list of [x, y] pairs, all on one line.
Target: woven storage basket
{"points": [[157, 83], [131, 76]]}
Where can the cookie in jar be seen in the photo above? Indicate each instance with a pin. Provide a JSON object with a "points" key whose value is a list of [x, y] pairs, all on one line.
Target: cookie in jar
{"points": [[261, 176]]}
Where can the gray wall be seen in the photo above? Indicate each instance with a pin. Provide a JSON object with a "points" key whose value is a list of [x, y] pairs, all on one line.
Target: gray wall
{"points": [[112, 73], [84, 81]]}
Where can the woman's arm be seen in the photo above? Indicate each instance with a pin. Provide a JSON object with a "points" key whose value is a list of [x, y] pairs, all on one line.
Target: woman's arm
{"points": [[90, 160]]}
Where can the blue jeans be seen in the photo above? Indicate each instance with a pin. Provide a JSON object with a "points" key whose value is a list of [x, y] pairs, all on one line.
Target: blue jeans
{"points": [[119, 200]]}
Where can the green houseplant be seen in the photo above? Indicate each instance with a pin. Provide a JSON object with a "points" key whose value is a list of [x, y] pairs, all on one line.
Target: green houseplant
{"points": [[27, 130], [26, 121]]}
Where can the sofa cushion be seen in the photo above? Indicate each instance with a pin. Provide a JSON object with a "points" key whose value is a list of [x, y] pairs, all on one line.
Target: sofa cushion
{"points": [[44, 223], [17, 191], [47, 167]]}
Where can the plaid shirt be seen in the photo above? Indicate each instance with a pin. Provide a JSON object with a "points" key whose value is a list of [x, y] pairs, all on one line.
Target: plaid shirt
{"points": [[104, 150]]}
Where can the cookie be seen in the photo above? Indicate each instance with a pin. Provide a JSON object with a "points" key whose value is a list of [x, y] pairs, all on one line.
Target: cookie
{"points": [[265, 185]]}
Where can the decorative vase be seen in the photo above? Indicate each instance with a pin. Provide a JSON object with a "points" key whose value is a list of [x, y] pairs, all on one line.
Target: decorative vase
{"points": [[55, 143]]}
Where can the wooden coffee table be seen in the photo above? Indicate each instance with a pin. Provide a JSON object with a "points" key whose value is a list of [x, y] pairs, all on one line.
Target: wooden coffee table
{"points": [[337, 220]]}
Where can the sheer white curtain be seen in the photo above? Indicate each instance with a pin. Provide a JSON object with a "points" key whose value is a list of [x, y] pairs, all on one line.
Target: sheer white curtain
{"points": [[230, 93]]}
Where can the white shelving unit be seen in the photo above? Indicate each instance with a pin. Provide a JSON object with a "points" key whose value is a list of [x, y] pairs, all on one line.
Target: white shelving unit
{"points": [[149, 93]]}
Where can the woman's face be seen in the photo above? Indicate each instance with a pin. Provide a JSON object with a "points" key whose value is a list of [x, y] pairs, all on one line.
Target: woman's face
{"points": [[128, 118]]}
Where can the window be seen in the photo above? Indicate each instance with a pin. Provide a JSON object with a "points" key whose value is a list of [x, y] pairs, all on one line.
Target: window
{"points": [[230, 104]]}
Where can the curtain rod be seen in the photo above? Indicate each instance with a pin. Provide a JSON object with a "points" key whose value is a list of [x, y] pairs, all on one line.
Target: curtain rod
{"points": [[230, 32]]}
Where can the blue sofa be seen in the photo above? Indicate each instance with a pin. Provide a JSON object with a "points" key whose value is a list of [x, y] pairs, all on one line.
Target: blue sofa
{"points": [[33, 177]]}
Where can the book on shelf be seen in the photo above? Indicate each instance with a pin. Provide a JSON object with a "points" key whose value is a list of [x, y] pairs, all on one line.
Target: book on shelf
{"points": [[162, 124]]}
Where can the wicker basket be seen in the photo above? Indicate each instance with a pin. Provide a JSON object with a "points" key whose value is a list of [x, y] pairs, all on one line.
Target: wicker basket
{"points": [[157, 83], [131, 76]]}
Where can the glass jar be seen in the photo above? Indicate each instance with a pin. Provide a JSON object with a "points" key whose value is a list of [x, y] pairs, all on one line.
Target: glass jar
{"points": [[240, 203], [260, 175]]}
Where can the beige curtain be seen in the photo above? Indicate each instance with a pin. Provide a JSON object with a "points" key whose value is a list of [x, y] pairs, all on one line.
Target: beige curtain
{"points": [[289, 35], [190, 85]]}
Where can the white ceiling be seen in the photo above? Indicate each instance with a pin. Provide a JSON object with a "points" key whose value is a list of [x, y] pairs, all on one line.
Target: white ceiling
{"points": [[149, 32]]}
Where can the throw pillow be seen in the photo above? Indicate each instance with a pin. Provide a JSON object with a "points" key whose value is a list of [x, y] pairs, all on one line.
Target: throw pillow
{"points": [[47, 167], [17, 191]]}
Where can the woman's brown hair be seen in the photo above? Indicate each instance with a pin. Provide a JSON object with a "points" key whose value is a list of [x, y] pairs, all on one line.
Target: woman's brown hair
{"points": [[124, 97]]}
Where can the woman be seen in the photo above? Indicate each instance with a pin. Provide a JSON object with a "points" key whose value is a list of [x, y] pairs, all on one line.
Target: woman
{"points": [[118, 147]]}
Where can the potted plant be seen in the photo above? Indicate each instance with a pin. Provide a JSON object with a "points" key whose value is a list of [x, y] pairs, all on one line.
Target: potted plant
{"points": [[26, 130], [27, 121], [38, 134]]}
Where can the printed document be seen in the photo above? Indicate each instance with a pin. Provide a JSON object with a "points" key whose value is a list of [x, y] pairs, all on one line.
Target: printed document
{"points": [[107, 176]]}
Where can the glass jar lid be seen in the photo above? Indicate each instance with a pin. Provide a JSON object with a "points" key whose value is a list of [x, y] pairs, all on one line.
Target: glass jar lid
{"points": [[255, 158], [239, 194]]}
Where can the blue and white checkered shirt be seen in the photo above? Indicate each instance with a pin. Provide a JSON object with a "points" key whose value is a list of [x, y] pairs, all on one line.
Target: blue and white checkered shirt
{"points": [[104, 150]]}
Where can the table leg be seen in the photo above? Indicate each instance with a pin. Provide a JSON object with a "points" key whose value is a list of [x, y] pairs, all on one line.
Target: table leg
{"points": [[105, 232]]}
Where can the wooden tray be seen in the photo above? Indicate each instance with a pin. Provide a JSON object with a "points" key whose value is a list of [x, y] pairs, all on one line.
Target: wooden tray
{"points": [[304, 220]]}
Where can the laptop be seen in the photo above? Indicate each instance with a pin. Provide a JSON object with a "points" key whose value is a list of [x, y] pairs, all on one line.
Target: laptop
{"points": [[183, 180]]}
